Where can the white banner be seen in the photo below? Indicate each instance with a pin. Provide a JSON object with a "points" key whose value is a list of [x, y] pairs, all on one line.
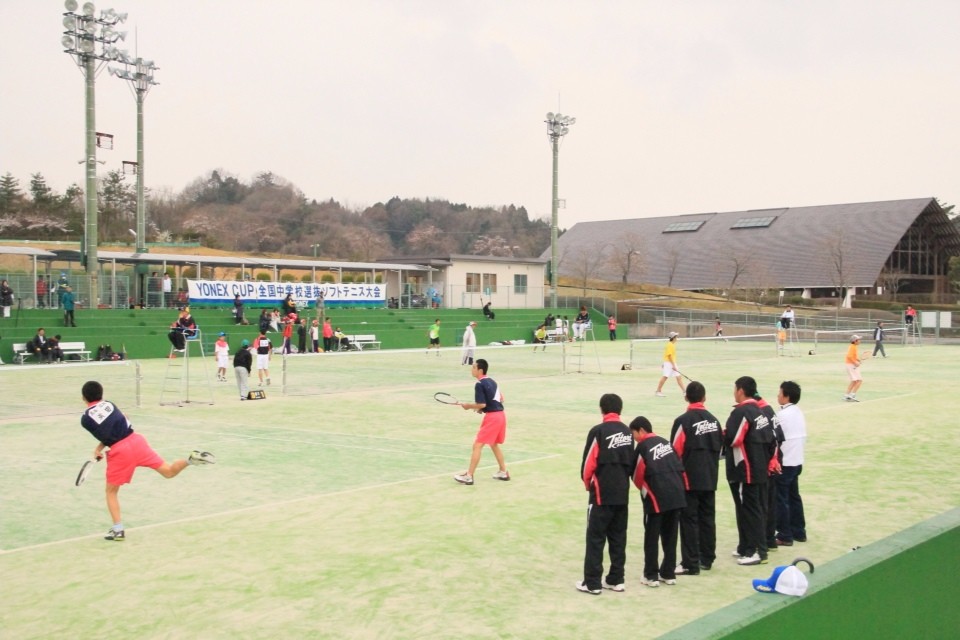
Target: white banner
{"points": [[222, 292]]}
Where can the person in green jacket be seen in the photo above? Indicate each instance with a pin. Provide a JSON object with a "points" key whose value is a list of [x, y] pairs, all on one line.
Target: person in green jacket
{"points": [[68, 306]]}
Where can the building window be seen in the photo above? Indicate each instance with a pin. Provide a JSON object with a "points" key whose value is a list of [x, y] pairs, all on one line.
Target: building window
{"points": [[677, 227], [754, 223], [519, 283], [489, 283], [473, 283]]}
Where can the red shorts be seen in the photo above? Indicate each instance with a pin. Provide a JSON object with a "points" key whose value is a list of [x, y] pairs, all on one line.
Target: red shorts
{"points": [[124, 457], [493, 429]]}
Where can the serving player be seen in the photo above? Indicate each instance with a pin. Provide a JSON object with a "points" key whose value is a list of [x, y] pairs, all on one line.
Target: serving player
{"points": [[125, 451]]}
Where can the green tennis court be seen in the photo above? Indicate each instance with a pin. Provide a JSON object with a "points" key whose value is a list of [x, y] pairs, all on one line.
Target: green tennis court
{"points": [[332, 512]]}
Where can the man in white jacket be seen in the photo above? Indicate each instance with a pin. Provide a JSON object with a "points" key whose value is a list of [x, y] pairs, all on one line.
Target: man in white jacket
{"points": [[469, 343]]}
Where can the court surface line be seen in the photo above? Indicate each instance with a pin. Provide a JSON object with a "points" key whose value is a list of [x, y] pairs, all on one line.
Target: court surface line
{"points": [[270, 505]]}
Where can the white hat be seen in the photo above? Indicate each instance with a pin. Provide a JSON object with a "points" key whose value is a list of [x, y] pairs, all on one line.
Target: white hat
{"points": [[672, 334], [854, 338], [788, 580]]}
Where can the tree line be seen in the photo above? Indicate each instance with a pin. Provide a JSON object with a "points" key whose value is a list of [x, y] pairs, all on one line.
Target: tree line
{"points": [[271, 215]]}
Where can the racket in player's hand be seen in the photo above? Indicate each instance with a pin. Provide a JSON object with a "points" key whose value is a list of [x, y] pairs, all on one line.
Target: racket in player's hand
{"points": [[445, 398], [85, 470]]}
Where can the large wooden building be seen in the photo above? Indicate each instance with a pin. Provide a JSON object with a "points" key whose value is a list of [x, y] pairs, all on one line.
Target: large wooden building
{"points": [[868, 248]]}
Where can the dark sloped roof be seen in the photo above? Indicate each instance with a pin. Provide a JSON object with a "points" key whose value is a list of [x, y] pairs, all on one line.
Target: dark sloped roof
{"points": [[793, 251]]}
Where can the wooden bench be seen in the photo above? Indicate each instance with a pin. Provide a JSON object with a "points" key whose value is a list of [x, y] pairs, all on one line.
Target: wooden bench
{"points": [[20, 352], [365, 340]]}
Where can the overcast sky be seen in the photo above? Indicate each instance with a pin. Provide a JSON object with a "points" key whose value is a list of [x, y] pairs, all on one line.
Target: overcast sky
{"points": [[681, 106]]}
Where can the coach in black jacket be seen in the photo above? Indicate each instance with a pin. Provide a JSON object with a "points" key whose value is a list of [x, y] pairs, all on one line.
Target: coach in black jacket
{"points": [[697, 439], [659, 476], [607, 464]]}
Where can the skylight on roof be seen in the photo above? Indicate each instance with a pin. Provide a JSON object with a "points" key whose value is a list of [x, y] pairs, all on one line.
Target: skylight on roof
{"points": [[677, 227], [754, 223]]}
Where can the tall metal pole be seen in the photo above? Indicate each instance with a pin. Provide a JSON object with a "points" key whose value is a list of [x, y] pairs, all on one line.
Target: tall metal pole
{"points": [[141, 203], [555, 140], [90, 229], [558, 125], [90, 40]]}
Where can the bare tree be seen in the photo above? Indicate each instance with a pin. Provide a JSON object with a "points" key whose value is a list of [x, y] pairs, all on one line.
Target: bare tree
{"points": [[892, 280], [738, 264], [627, 257], [673, 263], [585, 263], [837, 252]]}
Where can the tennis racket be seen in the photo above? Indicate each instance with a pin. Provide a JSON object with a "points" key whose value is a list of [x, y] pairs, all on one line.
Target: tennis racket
{"points": [[684, 375], [445, 398], [85, 470]]}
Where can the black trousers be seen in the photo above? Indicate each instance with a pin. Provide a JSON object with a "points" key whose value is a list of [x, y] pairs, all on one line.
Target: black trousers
{"points": [[750, 519], [660, 529], [68, 318], [177, 339], [605, 524], [769, 497], [698, 530]]}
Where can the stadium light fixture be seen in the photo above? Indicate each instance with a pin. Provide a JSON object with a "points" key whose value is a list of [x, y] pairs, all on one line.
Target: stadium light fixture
{"points": [[90, 51], [558, 125]]}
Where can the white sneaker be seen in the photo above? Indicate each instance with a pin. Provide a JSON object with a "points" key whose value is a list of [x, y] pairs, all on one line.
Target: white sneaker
{"points": [[463, 478], [649, 583], [581, 586], [749, 560], [619, 588], [501, 475], [660, 394], [668, 581], [680, 570]]}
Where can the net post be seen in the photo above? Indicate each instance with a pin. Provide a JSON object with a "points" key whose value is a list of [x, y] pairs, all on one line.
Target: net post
{"points": [[138, 376]]}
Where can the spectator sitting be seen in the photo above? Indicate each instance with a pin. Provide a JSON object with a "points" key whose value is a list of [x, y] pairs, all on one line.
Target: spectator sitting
{"points": [[487, 313], [40, 346], [343, 342], [182, 328], [54, 352]]}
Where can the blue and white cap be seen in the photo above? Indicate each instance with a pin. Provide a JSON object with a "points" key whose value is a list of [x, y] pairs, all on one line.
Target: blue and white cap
{"points": [[788, 580]]}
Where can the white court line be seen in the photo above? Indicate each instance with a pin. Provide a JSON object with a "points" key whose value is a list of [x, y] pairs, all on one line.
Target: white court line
{"points": [[841, 402], [241, 436], [259, 507]]}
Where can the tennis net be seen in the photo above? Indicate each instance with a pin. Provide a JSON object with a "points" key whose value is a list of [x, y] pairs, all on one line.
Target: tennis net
{"points": [[55, 388], [648, 352], [892, 336]]}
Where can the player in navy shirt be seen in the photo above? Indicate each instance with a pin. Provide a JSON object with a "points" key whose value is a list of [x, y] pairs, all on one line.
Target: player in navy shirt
{"points": [[125, 450], [493, 430]]}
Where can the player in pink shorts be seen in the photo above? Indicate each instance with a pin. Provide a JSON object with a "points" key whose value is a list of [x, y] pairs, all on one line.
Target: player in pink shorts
{"points": [[493, 429], [125, 451]]}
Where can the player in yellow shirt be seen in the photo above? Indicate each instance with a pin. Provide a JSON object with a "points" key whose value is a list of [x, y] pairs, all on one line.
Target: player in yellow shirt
{"points": [[853, 370], [669, 369]]}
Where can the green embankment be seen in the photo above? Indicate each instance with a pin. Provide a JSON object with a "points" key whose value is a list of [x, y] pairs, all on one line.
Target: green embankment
{"points": [[142, 332]]}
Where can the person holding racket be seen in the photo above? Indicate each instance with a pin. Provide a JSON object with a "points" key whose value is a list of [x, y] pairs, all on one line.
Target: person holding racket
{"points": [[125, 451], [493, 429], [853, 361], [669, 369]]}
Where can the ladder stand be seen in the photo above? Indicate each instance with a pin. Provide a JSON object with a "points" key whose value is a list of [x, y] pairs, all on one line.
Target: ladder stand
{"points": [[573, 353], [176, 380]]}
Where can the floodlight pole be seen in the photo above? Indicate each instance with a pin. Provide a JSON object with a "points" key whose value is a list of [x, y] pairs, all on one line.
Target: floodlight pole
{"points": [[80, 41], [558, 125]]}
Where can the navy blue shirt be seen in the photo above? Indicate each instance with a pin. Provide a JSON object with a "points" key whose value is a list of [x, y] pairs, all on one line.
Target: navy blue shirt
{"points": [[106, 423], [486, 392]]}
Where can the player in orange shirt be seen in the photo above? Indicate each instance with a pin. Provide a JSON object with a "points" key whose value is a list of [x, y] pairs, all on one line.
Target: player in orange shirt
{"points": [[853, 370]]}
